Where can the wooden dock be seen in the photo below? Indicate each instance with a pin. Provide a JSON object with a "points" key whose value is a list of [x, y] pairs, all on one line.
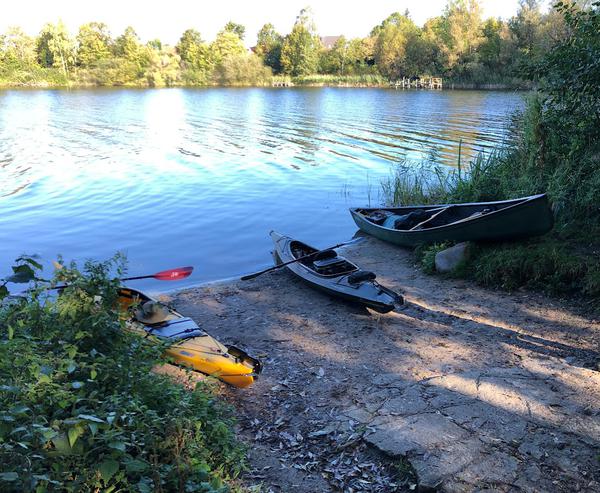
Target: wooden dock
{"points": [[282, 82], [418, 83]]}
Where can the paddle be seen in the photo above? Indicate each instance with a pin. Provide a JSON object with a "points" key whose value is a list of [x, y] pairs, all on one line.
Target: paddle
{"points": [[275, 267], [165, 275], [431, 218]]}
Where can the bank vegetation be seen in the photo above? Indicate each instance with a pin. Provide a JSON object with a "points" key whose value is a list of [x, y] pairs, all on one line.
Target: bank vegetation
{"points": [[554, 147], [81, 409], [458, 45]]}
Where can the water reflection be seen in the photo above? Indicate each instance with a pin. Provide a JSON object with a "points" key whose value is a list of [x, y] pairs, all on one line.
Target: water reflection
{"points": [[199, 176]]}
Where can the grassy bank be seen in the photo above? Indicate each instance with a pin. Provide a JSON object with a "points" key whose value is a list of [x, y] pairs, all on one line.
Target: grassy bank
{"points": [[81, 409], [554, 147], [563, 261]]}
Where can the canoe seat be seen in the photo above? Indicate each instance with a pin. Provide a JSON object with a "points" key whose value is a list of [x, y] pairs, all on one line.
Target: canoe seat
{"points": [[405, 221], [178, 329], [361, 276]]}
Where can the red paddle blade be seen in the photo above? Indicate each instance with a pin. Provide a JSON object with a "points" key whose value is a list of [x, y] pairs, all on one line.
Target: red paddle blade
{"points": [[173, 274]]}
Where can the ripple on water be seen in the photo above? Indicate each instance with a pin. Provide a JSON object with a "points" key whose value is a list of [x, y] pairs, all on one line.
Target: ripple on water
{"points": [[200, 176]]}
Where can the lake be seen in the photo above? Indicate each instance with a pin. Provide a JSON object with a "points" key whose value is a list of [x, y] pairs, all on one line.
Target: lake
{"points": [[175, 177]]}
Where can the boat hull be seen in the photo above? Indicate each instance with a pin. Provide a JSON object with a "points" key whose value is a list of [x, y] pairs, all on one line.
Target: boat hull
{"points": [[520, 218]]}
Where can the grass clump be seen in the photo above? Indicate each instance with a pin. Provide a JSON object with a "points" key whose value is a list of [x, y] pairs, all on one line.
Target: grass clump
{"points": [[80, 409]]}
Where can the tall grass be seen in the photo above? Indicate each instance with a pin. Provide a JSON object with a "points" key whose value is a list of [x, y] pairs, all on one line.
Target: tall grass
{"points": [[341, 80], [428, 182]]}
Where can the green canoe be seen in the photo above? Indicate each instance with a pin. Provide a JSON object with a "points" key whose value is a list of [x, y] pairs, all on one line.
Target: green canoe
{"points": [[479, 221]]}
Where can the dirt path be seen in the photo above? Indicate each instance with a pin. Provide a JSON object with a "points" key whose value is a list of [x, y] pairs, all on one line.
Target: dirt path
{"points": [[468, 388]]}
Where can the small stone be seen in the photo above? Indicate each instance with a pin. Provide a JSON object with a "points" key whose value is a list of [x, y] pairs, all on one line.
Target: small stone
{"points": [[447, 260]]}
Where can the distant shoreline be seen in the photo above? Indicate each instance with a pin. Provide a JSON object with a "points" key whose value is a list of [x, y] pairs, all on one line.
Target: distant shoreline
{"points": [[449, 86]]}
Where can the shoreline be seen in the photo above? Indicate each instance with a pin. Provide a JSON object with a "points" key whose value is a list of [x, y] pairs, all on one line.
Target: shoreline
{"points": [[450, 86], [504, 374]]}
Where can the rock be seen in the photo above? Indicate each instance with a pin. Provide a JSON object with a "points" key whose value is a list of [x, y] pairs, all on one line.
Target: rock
{"points": [[435, 446], [448, 259]]}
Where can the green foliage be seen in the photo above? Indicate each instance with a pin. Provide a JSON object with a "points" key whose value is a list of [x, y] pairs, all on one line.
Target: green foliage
{"points": [[17, 50], [425, 254], [111, 72], [363, 80], [268, 47], [300, 50], [94, 44], [395, 35], [81, 409], [55, 48], [457, 45], [226, 44], [194, 53], [162, 67], [546, 265], [128, 46], [242, 70], [238, 29]]}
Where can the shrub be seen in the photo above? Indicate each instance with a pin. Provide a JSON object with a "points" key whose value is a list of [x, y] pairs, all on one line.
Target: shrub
{"points": [[81, 409], [242, 70]]}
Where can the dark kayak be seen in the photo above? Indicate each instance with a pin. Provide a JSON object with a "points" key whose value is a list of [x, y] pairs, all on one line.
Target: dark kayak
{"points": [[334, 275], [479, 221]]}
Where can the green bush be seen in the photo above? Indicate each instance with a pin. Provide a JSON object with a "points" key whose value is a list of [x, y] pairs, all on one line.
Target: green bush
{"points": [[81, 409], [242, 70]]}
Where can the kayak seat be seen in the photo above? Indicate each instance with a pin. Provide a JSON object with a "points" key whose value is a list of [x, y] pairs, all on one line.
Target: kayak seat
{"points": [[329, 265], [178, 329], [361, 276], [325, 255]]}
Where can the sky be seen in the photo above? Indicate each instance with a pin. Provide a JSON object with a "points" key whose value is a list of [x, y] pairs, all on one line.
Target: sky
{"points": [[166, 20]]}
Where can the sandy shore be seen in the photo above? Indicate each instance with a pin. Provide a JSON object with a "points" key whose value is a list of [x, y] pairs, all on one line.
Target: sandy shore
{"points": [[462, 389]]}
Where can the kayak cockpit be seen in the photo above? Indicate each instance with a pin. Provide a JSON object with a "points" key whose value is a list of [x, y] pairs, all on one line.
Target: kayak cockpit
{"points": [[326, 263]]}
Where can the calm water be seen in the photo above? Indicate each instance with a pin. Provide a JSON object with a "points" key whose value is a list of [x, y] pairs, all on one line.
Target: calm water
{"points": [[183, 176]]}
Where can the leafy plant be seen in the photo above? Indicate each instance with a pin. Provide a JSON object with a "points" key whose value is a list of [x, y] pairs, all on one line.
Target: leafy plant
{"points": [[81, 409]]}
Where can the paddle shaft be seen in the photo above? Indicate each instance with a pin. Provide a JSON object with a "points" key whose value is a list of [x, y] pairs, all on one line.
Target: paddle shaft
{"points": [[166, 275], [275, 267]]}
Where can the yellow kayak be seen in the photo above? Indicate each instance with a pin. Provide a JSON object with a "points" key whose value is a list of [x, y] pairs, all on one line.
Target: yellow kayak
{"points": [[193, 347]]}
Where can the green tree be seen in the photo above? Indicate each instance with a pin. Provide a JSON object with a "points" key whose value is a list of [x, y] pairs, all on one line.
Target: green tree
{"points": [[55, 48], [335, 60], [18, 49], [497, 47], [237, 29], [128, 45], [162, 68], [570, 80], [268, 47], [525, 25], [392, 39], [226, 44], [94, 43], [300, 50], [195, 55], [155, 44], [460, 30]]}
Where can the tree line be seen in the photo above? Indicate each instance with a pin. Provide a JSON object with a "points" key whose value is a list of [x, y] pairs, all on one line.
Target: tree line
{"points": [[459, 45]]}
